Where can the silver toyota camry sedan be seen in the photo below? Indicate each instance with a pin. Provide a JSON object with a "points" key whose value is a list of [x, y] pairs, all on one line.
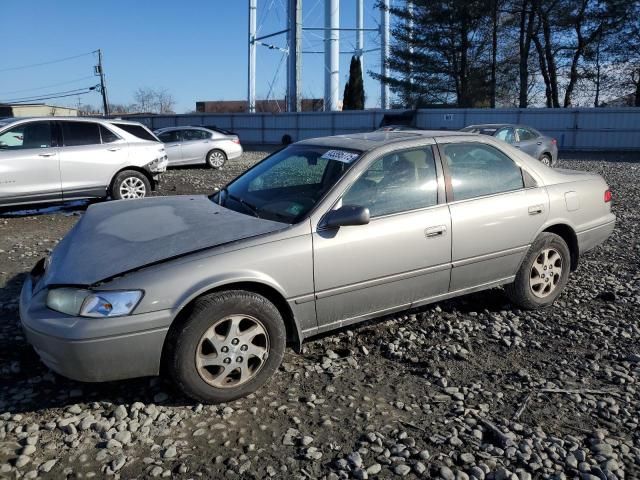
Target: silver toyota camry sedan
{"points": [[324, 233], [199, 145]]}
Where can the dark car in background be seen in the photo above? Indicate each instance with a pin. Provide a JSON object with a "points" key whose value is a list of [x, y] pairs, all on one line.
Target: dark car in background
{"points": [[526, 138]]}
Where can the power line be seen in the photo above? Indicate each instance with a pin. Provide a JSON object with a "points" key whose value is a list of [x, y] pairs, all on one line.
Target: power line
{"points": [[47, 96], [88, 90], [47, 86], [33, 65]]}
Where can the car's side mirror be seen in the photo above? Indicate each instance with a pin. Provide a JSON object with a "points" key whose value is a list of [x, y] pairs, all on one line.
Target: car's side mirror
{"points": [[347, 215]]}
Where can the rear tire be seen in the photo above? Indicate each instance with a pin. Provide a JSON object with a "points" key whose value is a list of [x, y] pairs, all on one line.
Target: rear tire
{"points": [[229, 346], [216, 159], [545, 159], [130, 184], [543, 274]]}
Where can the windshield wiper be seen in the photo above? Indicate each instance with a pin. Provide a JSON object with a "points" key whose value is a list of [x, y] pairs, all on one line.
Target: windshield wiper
{"points": [[252, 208]]}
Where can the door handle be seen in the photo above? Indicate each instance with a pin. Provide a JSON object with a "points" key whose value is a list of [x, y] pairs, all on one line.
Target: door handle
{"points": [[539, 143], [536, 209], [50, 154], [174, 145], [435, 231], [114, 149]]}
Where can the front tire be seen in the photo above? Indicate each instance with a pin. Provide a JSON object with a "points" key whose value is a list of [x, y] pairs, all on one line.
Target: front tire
{"points": [[229, 346], [543, 274], [216, 159], [130, 184]]}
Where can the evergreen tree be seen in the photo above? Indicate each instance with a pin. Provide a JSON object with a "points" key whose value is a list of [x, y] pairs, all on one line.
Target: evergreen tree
{"points": [[353, 98]]}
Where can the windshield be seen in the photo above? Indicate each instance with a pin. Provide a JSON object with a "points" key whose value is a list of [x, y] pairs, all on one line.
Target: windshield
{"points": [[286, 185]]}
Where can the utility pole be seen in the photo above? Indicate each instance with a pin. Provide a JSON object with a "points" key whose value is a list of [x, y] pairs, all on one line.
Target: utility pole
{"points": [[360, 33], [331, 54], [251, 94], [294, 58], [103, 85]]}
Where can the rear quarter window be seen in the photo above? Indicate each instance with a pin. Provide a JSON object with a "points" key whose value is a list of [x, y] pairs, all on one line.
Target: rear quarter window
{"points": [[137, 131]]}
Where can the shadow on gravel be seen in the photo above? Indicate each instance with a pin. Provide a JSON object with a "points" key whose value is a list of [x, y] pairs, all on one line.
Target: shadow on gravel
{"points": [[27, 385], [66, 208]]}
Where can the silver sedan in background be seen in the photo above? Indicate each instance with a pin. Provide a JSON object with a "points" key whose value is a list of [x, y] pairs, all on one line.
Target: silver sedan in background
{"points": [[198, 145], [526, 138]]}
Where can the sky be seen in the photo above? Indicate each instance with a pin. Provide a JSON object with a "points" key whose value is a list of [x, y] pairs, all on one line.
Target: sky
{"points": [[195, 49]]}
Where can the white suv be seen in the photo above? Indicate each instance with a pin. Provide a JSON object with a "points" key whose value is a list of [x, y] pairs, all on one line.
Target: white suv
{"points": [[58, 159]]}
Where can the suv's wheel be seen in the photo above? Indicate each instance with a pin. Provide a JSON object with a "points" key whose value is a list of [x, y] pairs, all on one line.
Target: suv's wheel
{"points": [[130, 184], [228, 347], [543, 273], [545, 159], [216, 159]]}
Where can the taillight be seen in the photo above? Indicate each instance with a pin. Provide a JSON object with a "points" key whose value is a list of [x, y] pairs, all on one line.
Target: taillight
{"points": [[607, 196], [554, 141], [236, 140]]}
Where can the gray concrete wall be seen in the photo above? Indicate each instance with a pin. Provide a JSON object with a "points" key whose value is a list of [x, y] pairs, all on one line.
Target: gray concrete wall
{"points": [[574, 129]]}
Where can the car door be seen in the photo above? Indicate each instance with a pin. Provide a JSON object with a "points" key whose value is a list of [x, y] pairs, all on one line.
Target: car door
{"points": [[402, 256], [89, 157], [496, 211], [172, 140], [527, 141], [29, 163], [195, 145]]}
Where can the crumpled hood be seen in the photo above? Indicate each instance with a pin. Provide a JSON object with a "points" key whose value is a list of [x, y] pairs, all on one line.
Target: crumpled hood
{"points": [[116, 237]]}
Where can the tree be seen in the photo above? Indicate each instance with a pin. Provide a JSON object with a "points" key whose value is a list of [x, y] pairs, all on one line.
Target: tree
{"points": [[149, 100], [145, 99], [353, 98], [441, 53]]}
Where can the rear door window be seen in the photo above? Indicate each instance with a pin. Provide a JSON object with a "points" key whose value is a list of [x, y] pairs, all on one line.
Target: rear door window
{"points": [[525, 134], [477, 170], [27, 135], [192, 135], [80, 133]]}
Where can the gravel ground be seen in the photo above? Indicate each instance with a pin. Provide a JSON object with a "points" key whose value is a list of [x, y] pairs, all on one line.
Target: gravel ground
{"points": [[468, 388]]}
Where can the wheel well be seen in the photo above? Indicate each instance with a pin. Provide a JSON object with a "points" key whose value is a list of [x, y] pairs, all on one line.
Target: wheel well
{"points": [[217, 150], [135, 169], [570, 238], [266, 291]]}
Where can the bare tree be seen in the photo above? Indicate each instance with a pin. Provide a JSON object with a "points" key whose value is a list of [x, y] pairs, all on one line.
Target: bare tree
{"points": [[145, 99], [149, 100], [164, 101]]}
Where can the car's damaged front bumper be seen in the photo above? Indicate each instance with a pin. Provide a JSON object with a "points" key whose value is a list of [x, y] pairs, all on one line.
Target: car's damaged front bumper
{"points": [[93, 349]]}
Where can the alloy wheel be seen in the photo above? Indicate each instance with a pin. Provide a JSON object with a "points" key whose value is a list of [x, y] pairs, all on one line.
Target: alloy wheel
{"points": [[216, 159], [546, 272], [132, 187], [232, 351]]}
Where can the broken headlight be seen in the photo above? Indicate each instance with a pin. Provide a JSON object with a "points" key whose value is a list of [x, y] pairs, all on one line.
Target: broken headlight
{"points": [[93, 304]]}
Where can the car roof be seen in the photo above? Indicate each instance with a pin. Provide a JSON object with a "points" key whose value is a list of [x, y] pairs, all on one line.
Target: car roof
{"points": [[500, 125], [372, 140], [184, 127], [9, 120]]}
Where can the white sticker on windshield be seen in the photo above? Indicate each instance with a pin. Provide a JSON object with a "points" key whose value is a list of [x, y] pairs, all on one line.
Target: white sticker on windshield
{"points": [[340, 156]]}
